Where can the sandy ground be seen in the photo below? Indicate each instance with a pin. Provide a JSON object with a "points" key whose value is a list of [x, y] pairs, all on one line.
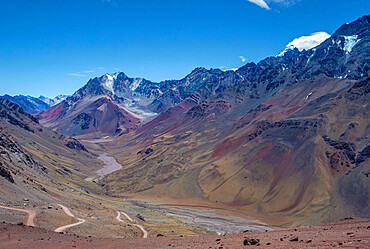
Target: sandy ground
{"points": [[351, 233]]}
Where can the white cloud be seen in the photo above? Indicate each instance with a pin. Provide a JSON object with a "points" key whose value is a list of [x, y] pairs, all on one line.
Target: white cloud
{"points": [[306, 42], [265, 3], [260, 3], [89, 71], [77, 74], [243, 58]]}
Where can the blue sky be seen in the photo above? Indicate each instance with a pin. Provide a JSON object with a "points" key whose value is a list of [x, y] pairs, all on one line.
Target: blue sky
{"points": [[53, 47]]}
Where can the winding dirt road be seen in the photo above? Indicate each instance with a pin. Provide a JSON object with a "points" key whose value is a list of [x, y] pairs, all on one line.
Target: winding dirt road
{"points": [[62, 228], [145, 233], [31, 214]]}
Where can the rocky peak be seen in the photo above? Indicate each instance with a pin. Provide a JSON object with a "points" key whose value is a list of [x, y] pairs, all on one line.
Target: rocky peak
{"points": [[198, 70], [359, 27]]}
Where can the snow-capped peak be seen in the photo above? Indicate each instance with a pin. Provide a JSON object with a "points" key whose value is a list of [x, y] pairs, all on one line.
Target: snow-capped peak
{"points": [[53, 101], [108, 81]]}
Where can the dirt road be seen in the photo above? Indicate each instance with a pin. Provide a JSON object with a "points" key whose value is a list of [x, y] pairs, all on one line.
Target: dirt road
{"points": [[62, 228], [31, 214], [132, 222]]}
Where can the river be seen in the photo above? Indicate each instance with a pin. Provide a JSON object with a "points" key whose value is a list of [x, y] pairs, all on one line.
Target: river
{"points": [[111, 165]]}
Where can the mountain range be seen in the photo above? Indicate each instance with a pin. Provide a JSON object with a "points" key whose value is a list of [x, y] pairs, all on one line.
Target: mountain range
{"points": [[286, 140], [33, 105]]}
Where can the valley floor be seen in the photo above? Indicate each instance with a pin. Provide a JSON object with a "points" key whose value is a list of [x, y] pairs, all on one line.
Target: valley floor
{"points": [[350, 233]]}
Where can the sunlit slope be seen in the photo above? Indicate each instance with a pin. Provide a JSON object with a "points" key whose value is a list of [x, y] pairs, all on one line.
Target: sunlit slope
{"points": [[279, 158]]}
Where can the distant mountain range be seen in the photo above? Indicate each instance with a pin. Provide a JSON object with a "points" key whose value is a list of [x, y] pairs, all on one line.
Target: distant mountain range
{"points": [[33, 105]]}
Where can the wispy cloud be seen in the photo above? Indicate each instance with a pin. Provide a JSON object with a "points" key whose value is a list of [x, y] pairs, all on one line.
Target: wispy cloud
{"points": [[77, 74], [243, 58], [90, 72], [284, 2], [306, 42], [112, 2], [265, 3], [260, 3]]}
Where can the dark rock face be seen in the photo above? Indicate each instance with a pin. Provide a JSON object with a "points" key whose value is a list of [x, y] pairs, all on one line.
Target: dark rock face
{"points": [[359, 90], [4, 115], [11, 154], [363, 155], [82, 120], [5, 173], [348, 148], [75, 145], [196, 111]]}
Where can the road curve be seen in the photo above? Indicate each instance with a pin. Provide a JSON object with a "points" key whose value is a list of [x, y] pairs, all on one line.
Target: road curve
{"points": [[62, 228], [145, 233], [31, 214]]}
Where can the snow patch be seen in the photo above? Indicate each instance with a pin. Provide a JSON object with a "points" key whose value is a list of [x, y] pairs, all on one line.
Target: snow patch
{"points": [[225, 69], [350, 42], [141, 114], [109, 80], [135, 84], [309, 59]]}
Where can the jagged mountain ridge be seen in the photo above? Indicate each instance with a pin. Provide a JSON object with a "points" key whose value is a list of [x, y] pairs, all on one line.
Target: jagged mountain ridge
{"points": [[132, 101], [53, 101], [343, 55], [34, 105]]}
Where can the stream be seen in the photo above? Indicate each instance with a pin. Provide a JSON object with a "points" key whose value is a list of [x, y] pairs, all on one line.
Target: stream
{"points": [[111, 165]]}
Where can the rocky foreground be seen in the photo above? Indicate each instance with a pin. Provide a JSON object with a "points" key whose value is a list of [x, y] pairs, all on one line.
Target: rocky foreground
{"points": [[348, 233]]}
